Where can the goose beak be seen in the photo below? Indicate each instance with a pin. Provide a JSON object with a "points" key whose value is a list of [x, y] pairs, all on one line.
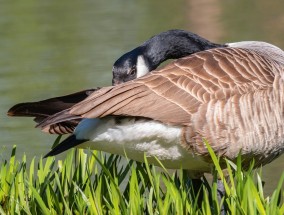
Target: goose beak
{"points": [[116, 81]]}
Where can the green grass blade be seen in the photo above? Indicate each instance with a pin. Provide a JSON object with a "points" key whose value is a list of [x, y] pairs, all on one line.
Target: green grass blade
{"points": [[40, 202]]}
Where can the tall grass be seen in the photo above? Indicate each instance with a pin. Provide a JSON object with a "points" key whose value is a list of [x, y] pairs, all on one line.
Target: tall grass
{"points": [[99, 184]]}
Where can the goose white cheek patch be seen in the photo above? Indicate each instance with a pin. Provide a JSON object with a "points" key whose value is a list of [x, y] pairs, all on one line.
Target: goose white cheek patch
{"points": [[142, 68]]}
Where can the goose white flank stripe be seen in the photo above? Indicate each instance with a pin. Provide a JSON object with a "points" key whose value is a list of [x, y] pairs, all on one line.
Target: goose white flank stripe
{"points": [[155, 139]]}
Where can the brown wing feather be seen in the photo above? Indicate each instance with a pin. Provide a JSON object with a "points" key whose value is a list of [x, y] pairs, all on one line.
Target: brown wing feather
{"points": [[173, 94], [46, 108]]}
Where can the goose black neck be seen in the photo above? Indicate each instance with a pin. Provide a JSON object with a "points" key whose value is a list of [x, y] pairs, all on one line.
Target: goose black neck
{"points": [[173, 44]]}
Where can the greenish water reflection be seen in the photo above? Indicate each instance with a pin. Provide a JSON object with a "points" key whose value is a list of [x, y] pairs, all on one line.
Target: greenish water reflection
{"points": [[50, 48]]}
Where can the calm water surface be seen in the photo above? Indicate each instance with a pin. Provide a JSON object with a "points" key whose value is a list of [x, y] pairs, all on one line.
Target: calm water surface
{"points": [[50, 48]]}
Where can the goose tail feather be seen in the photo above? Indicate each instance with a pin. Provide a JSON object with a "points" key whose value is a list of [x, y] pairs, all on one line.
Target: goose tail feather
{"points": [[66, 144]]}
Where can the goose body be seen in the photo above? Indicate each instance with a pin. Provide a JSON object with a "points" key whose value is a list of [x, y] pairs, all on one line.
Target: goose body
{"points": [[232, 97]]}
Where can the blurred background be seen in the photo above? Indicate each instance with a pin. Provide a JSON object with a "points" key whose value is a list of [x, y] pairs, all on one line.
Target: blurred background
{"points": [[51, 48]]}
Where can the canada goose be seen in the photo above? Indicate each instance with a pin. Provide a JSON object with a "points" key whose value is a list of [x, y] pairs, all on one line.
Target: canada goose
{"points": [[231, 96], [210, 94], [171, 44]]}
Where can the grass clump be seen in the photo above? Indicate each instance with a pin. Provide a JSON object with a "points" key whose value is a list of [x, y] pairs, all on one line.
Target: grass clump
{"points": [[99, 184]]}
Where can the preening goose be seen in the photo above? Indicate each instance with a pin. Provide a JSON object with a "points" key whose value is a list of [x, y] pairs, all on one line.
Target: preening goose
{"points": [[170, 44], [231, 96]]}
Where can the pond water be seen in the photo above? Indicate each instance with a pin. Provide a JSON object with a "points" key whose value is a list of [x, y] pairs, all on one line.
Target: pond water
{"points": [[50, 48]]}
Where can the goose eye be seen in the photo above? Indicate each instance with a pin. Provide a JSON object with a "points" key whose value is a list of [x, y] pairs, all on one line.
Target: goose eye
{"points": [[133, 71]]}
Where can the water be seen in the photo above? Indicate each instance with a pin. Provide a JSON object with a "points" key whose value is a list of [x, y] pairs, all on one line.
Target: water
{"points": [[50, 48]]}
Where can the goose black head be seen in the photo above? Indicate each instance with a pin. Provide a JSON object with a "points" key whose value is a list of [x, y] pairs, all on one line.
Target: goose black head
{"points": [[172, 44], [131, 65]]}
